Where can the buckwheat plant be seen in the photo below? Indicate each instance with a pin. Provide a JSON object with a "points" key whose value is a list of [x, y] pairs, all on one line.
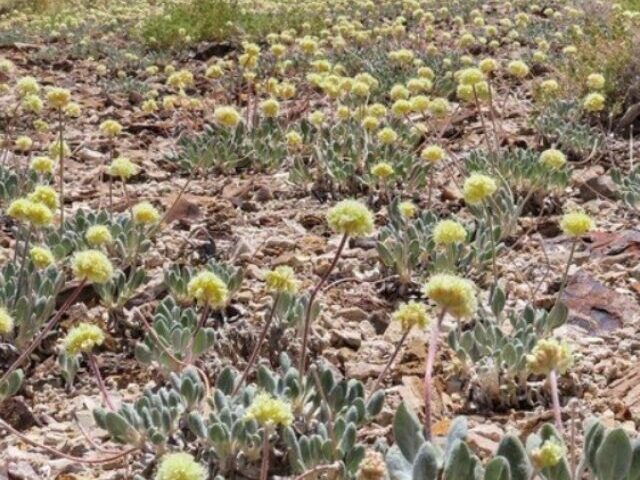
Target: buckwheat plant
{"points": [[349, 218], [453, 295]]}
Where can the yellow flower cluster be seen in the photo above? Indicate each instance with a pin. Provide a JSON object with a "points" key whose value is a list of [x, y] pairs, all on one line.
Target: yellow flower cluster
{"points": [[411, 314], [268, 410], [6, 322], [110, 128], [58, 97], [41, 257], [180, 466], [226, 116], [82, 338], [350, 217], [92, 265], [208, 289], [594, 102], [46, 195], [145, 214], [455, 294], [432, 154], [477, 188], [382, 170], [548, 355], [407, 209], [281, 280], [576, 224], [38, 214], [448, 232], [122, 167], [553, 158], [98, 235], [547, 455]]}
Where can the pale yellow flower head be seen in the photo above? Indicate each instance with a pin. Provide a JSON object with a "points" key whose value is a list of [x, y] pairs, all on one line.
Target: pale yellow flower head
{"points": [[6, 322], [226, 116], [82, 338], [455, 294], [32, 103], [270, 108], [471, 76], [58, 97], [432, 154], [449, 232], [594, 102], [23, 143], [208, 289], [145, 214], [411, 314], [350, 217], [46, 195], [595, 81], [38, 214], [518, 69], [268, 410], [548, 455], [122, 167], [110, 128], [407, 209], [180, 466], [41, 257], [27, 86], [576, 224], [553, 158], [549, 354], [478, 187], [382, 170], [98, 235], [281, 280], [387, 136], [92, 265]]}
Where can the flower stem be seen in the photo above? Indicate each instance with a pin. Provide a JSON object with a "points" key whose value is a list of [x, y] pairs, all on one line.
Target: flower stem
{"points": [[264, 467], [23, 261], [314, 293], [256, 350], [103, 389], [494, 267], [61, 166], [565, 275], [36, 341], [428, 373], [553, 382], [390, 362]]}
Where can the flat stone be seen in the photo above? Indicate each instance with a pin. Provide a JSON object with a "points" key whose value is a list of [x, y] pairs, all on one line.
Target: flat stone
{"points": [[354, 314]]}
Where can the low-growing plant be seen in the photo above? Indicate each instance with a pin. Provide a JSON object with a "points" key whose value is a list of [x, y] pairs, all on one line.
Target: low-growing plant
{"points": [[174, 341], [608, 454]]}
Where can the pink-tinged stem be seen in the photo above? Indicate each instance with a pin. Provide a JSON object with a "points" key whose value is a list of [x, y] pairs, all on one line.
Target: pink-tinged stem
{"points": [[428, 373], [93, 364], [390, 362], [36, 341], [312, 297], [555, 398]]}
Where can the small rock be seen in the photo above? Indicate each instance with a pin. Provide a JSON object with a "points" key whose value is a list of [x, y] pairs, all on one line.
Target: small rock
{"points": [[593, 183], [88, 155], [451, 192], [343, 337], [280, 243], [263, 194], [483, 445], [354, 314]]}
